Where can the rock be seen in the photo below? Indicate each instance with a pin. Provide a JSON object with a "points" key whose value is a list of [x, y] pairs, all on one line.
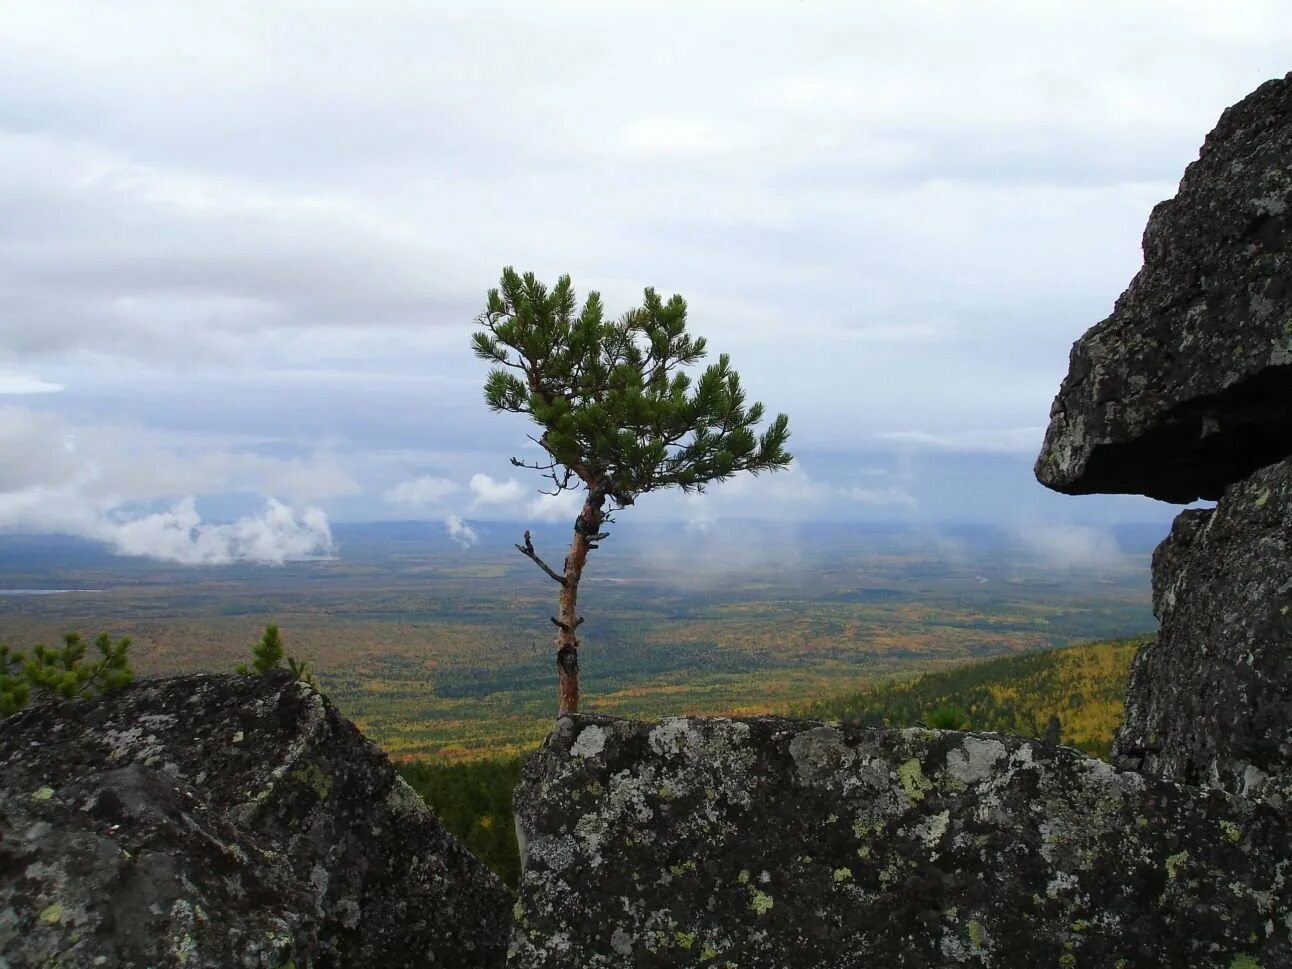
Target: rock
{"points": [[225, 821], [1187, 386], [1210, 703], [768, 842]]}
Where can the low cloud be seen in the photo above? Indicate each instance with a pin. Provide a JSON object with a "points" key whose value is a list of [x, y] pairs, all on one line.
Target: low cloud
{"points": [[486, 491], [1072, 546], [419, 493], [461, 532], [278, 534]]}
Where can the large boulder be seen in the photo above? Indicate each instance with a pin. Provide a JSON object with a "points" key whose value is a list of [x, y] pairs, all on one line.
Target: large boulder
{"points": [[1210, 703], [1187, 386], [767, 842], [226, 821]]}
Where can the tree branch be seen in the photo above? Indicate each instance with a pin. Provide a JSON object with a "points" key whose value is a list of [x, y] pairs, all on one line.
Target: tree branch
{"points": [[528, 550], [562, 626]]}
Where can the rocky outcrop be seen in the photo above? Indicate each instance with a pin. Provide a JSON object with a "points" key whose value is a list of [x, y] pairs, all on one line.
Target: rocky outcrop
{"points": [[1184, 389], [222, 821], [1186, 392], [770, 843], [1211, 702]]}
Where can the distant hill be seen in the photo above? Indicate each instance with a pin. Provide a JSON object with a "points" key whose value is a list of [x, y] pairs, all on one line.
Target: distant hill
{"points": [[1082, 685]]}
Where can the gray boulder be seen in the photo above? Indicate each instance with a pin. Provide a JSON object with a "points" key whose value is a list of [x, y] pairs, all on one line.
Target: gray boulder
{"points": [[1187, 386], [225, 821], [1210, 703], [767, 842]]}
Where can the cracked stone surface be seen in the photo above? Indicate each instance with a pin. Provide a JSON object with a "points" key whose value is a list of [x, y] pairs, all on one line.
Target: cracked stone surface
{"points": [[225, 821], [1210, 702], [1187, 386], [764, 842]]}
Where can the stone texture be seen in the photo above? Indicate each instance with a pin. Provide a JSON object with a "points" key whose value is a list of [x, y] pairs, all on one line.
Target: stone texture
{"points": [[1187, 386], [767, 842], [225, 821], [1210, 703]]}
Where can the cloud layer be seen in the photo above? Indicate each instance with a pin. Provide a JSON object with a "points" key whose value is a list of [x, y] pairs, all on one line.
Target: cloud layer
{"points": [[243, 243]]}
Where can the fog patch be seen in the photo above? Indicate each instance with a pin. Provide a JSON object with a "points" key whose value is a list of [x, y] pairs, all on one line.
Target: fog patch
{"points": [[1072, 546], [460, 531]]}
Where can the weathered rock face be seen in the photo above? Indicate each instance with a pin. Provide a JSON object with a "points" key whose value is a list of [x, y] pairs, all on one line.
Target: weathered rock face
{"points": [[1211, 702], [1187, 386], [773, 843], [222, 821]]}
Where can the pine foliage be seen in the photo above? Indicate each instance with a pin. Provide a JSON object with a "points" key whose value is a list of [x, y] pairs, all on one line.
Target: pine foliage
{"points": [[611, 396], [66, 671]]}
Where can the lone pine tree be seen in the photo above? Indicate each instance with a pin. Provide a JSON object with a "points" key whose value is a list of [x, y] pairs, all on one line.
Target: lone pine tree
{"points": [[618, 416]]}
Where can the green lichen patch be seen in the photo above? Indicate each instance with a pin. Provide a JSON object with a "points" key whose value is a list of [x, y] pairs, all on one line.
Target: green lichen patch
{"points": [[913, 781]]}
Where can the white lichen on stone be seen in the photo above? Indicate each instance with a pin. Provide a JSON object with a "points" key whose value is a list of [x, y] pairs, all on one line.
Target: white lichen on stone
{"points": [[590, 742]]}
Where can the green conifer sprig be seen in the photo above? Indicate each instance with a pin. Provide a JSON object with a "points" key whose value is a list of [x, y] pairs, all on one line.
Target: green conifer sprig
{"points": [[52, 672]]}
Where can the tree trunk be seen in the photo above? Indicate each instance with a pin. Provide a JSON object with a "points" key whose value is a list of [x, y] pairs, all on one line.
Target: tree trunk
{"points": [[586, 526]]}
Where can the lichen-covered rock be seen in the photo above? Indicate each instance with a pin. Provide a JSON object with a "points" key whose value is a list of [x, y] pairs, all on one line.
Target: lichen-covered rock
{"points": [[225, 821], [1187, 386], [767, 842], [1210, 703]]}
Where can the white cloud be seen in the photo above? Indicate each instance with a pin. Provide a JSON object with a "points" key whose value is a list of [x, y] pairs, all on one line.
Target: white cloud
{"points": [[81, 479], [486, 492], [21, 383], [277, 535], [419, 493], [555, 508], [461, 532]]}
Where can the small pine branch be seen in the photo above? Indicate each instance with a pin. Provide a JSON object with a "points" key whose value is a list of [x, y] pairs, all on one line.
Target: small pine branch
{"points": [[62, 672]]}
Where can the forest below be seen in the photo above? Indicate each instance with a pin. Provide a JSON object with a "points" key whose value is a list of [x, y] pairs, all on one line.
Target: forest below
{"points": [[438, 650], [1082, 685]]}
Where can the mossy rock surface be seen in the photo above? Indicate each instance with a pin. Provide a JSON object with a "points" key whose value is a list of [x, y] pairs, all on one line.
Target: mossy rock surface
{"points": [[1210, 702], [769, 842], [226, 821]]}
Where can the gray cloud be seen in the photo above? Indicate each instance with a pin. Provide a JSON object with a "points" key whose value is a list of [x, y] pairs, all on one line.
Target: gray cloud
{"points": [[247, 239]]}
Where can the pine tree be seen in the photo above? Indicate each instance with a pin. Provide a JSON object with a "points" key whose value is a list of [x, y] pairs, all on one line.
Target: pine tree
{"points": [[267, 654], [618, 415]]}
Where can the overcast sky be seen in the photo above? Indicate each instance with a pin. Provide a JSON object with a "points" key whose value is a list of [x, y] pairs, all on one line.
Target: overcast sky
{"points": [[242, 244]]}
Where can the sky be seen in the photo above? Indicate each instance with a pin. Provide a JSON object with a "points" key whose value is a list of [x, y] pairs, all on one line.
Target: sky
{"points": [[242, 245]]}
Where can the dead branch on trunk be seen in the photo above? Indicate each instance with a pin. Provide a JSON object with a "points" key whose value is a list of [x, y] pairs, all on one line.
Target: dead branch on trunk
{"points": [[528, 550], [565, 627]]}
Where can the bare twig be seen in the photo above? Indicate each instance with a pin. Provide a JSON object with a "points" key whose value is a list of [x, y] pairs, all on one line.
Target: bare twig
{"points": [[562, 626], [528, 550]]}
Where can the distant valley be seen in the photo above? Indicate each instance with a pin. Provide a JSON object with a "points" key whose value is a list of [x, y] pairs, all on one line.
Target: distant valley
{"points": [[437, 649]]}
